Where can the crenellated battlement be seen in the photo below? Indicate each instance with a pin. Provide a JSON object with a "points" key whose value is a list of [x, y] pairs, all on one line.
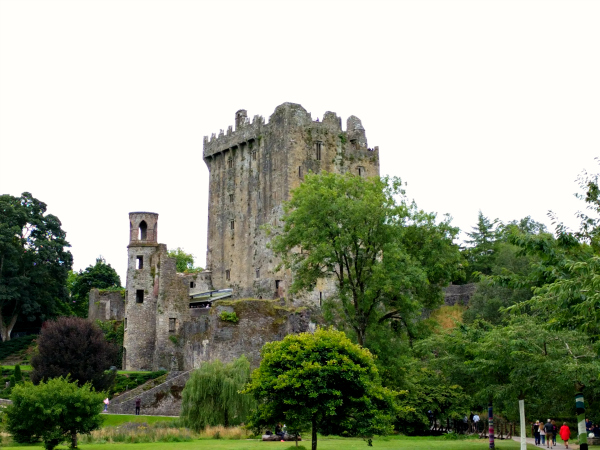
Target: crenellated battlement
{"points": [[286, 113], [245, 131]]}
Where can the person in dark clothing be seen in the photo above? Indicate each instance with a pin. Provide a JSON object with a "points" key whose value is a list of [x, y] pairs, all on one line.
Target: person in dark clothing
{"points": [[138, 405], [549, 429], [596, 430], [279, 431], [535, 429]]}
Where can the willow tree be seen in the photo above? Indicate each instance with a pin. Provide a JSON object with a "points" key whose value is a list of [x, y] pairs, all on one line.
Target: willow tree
{"points": [[212, 395]]}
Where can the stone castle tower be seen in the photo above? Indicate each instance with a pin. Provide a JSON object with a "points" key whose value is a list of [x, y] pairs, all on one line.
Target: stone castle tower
{"points": [[157, 299], [253, 169]]}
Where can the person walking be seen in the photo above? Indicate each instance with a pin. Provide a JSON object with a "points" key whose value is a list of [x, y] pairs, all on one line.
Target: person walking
{"points": [[548, 429], [536, 432], [542, 434], [565, 434], [554, 431], [106, 403], [138, 405]]}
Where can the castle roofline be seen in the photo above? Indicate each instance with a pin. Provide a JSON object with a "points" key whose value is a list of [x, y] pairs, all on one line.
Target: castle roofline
{"points": [[143, 212]]}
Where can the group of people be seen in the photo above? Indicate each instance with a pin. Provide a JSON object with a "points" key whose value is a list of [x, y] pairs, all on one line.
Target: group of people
{"points": [[592, 428], [545, 433]]}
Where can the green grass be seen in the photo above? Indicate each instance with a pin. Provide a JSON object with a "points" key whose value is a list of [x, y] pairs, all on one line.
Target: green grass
{"points": [[111, 420], [324, 444], [12, 368]]}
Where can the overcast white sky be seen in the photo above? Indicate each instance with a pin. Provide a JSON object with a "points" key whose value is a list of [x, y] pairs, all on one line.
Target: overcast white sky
{"points": [[491, 105]]}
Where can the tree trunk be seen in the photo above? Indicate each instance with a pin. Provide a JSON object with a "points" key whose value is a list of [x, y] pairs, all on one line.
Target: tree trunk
{"points": [[314, 434], [74, 439], [5, 330], [523, 426], [491, 425], [583, 443]]}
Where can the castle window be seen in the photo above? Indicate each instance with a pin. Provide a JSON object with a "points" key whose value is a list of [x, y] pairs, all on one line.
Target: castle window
{"points": [[320, 299], [361, 171], [232, 224], [142, 231], [192, 285], [230, 198], [300, 172], [139, 296], [140, 262], [229, 162], [257, 273], [228, 274], [318, 146], [125, 325], [172, 325], [354, 143]]}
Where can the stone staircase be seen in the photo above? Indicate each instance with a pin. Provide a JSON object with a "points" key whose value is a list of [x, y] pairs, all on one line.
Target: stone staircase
{"points": [[158, 398]]}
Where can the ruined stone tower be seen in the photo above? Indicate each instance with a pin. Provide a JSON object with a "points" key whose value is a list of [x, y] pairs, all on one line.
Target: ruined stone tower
{"points": [[140, 303], [253, 169]]}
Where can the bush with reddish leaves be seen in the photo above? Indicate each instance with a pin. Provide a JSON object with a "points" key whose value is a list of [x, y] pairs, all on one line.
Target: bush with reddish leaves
{"points": [[76, 347]]}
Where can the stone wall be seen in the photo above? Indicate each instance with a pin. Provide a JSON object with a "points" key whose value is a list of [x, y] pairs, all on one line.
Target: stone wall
{"points": [[253, 169], [207, 338], [459, 294], [106, 305], [161, 400]]}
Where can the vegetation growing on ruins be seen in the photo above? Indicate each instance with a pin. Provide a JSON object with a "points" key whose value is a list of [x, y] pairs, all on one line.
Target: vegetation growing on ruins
{"points": [[184, 261], [100, 276], [229, 317]]}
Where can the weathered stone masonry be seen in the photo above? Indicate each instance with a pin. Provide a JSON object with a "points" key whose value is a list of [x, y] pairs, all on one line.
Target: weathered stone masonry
{"points": [[253, 169]]}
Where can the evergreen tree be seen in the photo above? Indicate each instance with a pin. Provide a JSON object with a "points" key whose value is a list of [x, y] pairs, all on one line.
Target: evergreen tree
{"points": [[482, 245]]}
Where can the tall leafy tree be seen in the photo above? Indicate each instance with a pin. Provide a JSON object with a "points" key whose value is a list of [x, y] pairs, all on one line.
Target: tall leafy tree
{"points": [[212, 395], [34, 262], [388, 258], [320, 381], [100, 276], [184, 261]]}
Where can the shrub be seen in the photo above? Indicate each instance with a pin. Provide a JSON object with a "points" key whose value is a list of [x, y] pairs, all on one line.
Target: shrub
{"points": [[229, 317], [53, 412], [76, 347]]}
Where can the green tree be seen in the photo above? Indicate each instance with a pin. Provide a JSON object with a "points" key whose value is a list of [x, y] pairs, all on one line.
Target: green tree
{"points": [[18, 374], [34, 262], [388, 258], [520, 360], [99, 276], [114, 333], [482, 246], [76, 347], [323, 381], [184, 261], [212, 395], [53, 411]]}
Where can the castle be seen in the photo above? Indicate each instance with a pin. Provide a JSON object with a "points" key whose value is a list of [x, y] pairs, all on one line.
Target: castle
{"points": [[253, 169]]}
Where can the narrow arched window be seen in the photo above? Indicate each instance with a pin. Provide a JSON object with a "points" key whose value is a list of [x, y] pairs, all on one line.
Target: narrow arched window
{"points": [[143, 231]]}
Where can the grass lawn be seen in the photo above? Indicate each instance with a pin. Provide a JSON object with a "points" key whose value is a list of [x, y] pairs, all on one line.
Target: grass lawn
{"points": [[113, 420], [23, 368], [402, 443]]}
